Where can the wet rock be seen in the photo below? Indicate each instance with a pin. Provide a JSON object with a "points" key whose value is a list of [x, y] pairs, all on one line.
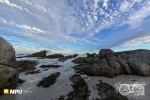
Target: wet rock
{"points": [[26, 65], [38, 54], [8, 72], [63, 59], [41, 58], [48, 81], [50, 66], [33, 72], [107, 92], [80, 89], [19, 57], [20, 81]]}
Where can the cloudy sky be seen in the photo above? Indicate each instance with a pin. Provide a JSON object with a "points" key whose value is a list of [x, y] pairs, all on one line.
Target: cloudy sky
{"points": [[75, 26]]}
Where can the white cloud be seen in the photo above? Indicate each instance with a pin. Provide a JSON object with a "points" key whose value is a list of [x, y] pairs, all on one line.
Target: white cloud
{"points": [[58, 20], [26, 1], [26, 27], [105, 4], [27, 10], [138, 41], [124, 6], [3, 20], [10, 4], [41, 7], [138, 16]]}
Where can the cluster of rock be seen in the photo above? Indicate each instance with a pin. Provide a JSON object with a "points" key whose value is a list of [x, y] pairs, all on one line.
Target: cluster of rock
{"points": [[110, 64], [8, 72], [82, 92], [67, 57], [42, 55], [38, 54], [26, 65], [48, 81]]}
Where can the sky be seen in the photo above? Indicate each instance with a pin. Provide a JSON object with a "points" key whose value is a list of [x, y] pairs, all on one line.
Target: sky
{"points": [[75, 26]]}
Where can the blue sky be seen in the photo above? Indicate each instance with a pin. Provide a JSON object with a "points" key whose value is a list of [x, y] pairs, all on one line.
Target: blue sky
{"points": [[75, 26]]}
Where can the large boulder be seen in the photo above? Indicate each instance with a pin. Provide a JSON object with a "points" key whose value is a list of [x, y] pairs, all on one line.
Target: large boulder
{"points": [[116, 67], [140, 68], [104, 52], [111, 57], [8, 73], [106, 70], [102, 69], [125, 67]]}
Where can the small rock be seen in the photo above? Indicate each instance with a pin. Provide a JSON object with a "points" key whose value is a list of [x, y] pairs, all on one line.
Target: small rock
{"points": [[50, 66], [107, 92], [48, 81], [21, 81], [80, 89]]}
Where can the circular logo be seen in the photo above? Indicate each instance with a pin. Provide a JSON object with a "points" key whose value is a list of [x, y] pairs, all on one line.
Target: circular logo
{"points": [[124, 89]]}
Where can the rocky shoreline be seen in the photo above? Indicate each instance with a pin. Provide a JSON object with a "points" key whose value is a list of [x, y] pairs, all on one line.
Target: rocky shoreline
{"points": [[111, 64], [107, 63]]}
